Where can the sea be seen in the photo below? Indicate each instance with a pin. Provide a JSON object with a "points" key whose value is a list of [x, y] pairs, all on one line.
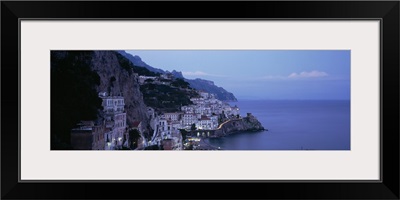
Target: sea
{"points": [[292, 125]]}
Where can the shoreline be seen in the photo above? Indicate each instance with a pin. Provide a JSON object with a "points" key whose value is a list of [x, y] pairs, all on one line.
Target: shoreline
{"points": [[206, 145], [238, 132]]}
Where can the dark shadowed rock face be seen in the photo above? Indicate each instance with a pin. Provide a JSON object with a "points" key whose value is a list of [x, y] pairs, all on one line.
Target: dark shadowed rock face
{"points": [[76, 79], [136, 60], [117, 80]]}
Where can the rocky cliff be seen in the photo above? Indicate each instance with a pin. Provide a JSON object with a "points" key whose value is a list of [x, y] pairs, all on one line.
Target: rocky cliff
{"points": [[120, 80], [76, 79], [136, 60], [248, 123], [198, 84]]}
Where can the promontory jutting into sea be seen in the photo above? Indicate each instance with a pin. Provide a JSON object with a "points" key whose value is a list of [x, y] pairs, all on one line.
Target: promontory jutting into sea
{"points": [[114, 100]]}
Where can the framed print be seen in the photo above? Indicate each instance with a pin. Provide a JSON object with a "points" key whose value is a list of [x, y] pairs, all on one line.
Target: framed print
{"points": [[283, 95]]}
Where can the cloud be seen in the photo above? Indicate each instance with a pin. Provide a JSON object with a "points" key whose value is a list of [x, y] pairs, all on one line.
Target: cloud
{"points": [[294, 76], [312, 74], [200, 73]]}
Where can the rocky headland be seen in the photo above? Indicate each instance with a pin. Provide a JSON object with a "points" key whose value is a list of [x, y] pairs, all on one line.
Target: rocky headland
{"points": [[245, 124]]}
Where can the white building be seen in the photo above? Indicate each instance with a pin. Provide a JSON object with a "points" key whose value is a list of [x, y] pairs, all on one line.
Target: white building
{"points": [[163, 125], [197, 101], [187, 109], [176, 116], [214, 121], [188, 119], [204, 95], [115, 117], [205, 123], [207, 111], [176, 125], [214, 101], [167, 76], [113, 104], [235, 110], [142, 79], [199, 109]]}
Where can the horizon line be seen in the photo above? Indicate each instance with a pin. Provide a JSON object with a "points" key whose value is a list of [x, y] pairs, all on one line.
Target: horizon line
{"points": [[238, 99]]}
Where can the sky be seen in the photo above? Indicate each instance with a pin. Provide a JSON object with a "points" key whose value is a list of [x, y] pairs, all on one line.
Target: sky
{"points": [[262, 74]]}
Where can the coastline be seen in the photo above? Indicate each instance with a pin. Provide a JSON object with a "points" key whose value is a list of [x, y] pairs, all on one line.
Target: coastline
{"points": [[310, 125], [246, 124], [204, 145]]}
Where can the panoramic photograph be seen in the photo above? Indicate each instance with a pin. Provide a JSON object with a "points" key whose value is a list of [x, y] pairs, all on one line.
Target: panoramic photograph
{"points": [[197, 100]]}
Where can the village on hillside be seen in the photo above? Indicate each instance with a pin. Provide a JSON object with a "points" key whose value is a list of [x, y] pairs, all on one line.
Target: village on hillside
{"points": [[183, 130]]}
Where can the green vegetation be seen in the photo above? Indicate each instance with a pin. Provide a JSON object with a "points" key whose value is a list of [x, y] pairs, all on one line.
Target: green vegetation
{"points": [[183, 133], [149, 80], [166, 98], [180, 83], [193, 127], [73, 94], [134, 136]]}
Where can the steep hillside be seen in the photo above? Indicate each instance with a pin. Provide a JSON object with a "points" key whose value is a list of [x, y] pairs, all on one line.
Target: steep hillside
{"points": [[117, 78], [210, 87], [76, 79], [199, 84], [137, 61]]}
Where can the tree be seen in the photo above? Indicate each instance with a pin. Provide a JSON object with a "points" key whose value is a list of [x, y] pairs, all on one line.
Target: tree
{"points": [[149, 80], [183, 133], [193, 128], [180, 83], [134, 136]]}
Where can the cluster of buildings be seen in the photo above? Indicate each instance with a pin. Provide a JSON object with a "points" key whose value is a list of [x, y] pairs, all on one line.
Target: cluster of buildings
{"points": [[108, 133], [204, 114], [111, 131], [206, 111]]}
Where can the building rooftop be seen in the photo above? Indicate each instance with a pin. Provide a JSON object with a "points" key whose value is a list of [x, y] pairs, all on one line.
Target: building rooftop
{"points": [[173, 113], [203, 117], [111, 97], [136, 124]]}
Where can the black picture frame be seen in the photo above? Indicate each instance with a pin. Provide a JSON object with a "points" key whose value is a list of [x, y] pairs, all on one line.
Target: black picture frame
{"points": [[386, 11]]}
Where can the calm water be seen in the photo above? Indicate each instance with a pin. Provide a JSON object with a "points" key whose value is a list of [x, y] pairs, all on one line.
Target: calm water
{"points": [[293, 125]]}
